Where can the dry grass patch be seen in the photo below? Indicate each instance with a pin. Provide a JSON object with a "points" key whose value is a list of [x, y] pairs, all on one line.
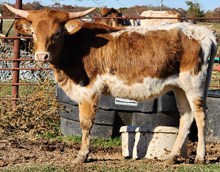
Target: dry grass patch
{"points": [[34, 115]]}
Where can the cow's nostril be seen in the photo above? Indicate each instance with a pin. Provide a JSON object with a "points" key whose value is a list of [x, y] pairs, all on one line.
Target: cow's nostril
{"points": [[46, 57], [42, 56]]}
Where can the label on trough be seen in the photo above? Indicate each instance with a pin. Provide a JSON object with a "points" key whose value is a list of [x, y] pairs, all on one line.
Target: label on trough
{"points": [[125, 102]]}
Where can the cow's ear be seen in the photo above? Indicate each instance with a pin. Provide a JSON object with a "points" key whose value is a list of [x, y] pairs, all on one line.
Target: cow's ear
{"points": [[23, 27], [73, 26]]}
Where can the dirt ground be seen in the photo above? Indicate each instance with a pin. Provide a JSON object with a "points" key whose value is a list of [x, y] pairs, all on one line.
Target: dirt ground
{"points": [[19, 152]]}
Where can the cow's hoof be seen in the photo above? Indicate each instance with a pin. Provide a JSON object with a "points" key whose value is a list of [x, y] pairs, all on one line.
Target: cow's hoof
{"points": [[80, 159], [199, 161], [169, 162]]}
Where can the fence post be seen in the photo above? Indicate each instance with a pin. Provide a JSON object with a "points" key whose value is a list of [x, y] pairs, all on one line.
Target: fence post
{"points": [[15, 72]]}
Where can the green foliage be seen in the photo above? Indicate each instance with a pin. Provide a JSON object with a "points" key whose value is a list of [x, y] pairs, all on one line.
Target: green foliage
{"points": [[216, 12], [35, 5], [194, 10]]}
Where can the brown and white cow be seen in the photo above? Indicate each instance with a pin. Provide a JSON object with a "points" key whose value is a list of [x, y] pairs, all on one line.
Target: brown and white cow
{"points": [[110, 12], [138, 63]]}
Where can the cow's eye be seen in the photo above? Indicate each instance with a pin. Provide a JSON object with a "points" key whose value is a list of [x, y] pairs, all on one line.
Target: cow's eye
{"points": [[57, 34], [32, 33]]}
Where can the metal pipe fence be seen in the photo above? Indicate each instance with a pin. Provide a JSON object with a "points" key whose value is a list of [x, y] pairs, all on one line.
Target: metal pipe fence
{"points": [[16, 60]]}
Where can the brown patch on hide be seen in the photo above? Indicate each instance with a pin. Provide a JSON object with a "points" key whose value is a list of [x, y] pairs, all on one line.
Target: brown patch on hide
{"points": [[133, 56], [199, 104], [100, 26], [191, 60]]}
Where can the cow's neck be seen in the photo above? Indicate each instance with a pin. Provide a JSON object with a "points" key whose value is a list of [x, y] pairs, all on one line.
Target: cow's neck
{"points": [[70, 73]]}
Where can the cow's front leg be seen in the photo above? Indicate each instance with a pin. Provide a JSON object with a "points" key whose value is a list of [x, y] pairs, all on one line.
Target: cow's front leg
{"points": [[87, 110]]}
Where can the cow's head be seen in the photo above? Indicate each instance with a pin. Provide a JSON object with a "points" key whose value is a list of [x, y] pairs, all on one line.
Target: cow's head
{"points": [[111, 12], [48, 28]]}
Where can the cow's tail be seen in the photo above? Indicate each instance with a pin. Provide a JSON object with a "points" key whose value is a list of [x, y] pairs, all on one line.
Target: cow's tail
{"points": [[212, 55]]}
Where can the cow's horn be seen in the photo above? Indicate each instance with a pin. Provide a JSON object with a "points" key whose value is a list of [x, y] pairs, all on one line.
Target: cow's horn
{"points": [[19, 12], [73, 15]]}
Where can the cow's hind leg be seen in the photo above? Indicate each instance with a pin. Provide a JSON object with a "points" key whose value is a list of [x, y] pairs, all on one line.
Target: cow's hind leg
{"points": [[186, 119], [87, 110], [195, 104], [198, 109]]}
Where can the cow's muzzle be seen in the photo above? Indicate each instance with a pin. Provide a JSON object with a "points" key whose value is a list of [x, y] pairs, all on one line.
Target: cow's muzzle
{"points": [[43, 56]]}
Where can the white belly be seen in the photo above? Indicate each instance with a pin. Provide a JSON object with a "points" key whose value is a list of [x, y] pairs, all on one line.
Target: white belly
{"points": [[150, 88]]}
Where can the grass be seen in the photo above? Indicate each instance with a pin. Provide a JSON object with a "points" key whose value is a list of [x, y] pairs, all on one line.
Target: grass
{"points": [[216, 27], [24, 90], [215, 82], [97, 142], [115, 142], [35, 168], [6, 25], [103, 167], [34, 115], [199, 168]]}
